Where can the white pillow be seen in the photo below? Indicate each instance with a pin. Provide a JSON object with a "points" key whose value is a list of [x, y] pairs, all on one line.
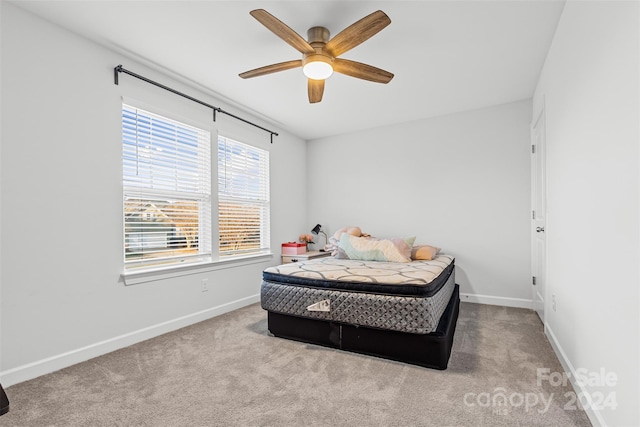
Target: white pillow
{"points": [[370, 249]]}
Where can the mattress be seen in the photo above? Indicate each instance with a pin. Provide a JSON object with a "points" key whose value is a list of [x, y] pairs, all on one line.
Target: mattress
{"points": [[404, 297], [420, 278]]}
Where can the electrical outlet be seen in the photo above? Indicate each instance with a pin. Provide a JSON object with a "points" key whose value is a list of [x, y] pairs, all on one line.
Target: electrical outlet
{"points": [[204, 285], [553, 301]]}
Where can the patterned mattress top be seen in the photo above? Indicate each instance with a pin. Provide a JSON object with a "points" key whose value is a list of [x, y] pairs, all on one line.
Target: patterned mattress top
{"points": [[354, 274]]}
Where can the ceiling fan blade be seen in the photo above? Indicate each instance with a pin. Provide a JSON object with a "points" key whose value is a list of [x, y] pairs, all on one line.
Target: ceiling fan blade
{"points": [[315, 89], [281, 30], [273, 68], [357, 33], [361, 71]]}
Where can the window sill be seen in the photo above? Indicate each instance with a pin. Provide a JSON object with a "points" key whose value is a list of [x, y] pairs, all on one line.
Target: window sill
{"points": [[135, 277]]}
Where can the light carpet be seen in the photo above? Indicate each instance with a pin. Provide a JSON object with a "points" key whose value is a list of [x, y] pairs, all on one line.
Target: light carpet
{"points": [[228, 371]]}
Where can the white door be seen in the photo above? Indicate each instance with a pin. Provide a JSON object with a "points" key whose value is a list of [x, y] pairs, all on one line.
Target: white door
{"points": [[538, 215]]}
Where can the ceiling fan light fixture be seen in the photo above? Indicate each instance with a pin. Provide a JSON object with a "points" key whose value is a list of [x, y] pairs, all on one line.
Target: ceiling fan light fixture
{"points": [[317, 67]]}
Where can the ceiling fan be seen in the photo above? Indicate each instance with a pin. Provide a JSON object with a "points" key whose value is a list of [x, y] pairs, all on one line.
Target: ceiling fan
{"points": [[320, 55]]}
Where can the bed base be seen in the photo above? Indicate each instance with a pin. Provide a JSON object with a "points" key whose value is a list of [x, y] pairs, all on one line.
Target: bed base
{"points": [[429, 350]]}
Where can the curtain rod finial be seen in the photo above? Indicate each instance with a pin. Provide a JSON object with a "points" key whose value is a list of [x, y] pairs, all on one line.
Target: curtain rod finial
{"points": [[116, 70]]}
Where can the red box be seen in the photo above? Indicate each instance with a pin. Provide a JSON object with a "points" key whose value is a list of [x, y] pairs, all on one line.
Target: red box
{"points": [[293, 248]]}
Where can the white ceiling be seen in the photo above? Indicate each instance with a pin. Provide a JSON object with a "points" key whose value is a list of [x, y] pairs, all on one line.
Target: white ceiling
{"points": [[447, 56]]}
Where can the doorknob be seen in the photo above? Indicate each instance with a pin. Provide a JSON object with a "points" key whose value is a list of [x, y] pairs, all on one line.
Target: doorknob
{"points": [[540, 229]]}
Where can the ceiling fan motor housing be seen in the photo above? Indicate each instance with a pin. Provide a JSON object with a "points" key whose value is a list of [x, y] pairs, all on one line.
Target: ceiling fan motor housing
{"points": [[318, 38], [317, 34]]}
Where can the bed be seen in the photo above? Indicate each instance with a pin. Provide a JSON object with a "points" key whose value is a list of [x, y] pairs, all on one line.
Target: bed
{"points": [[405, 311]]}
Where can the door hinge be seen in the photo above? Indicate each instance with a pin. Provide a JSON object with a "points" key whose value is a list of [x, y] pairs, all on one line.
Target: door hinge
{"points": [[534, 280], [533, 149], [533, 214]]}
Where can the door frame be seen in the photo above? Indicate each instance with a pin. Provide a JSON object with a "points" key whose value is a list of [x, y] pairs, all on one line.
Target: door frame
{"points": [[539, 266]]}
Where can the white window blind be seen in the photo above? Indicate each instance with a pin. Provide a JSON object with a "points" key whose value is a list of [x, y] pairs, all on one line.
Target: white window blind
{"points": [[167, 190], [243, 198]]}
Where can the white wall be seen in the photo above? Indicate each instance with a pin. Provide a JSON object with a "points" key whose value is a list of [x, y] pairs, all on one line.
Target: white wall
{"points": [[61, 297], [460, 182], [61, 197], [590, 87]]}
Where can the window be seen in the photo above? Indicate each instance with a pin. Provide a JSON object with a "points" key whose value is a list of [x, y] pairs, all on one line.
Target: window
{"points": [[167, 190], [167, 199], [243, 198]]}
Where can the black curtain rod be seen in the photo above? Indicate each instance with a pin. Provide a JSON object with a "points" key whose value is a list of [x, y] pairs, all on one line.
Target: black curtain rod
{"points": [[119, 69]]}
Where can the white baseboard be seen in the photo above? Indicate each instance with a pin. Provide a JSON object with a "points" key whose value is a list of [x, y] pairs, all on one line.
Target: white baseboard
{"points": [[491, 300], [54, 363], [594, 415]]}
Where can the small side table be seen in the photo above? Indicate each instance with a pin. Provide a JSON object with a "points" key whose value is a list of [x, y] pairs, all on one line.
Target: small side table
{"points": [[286, 259]]}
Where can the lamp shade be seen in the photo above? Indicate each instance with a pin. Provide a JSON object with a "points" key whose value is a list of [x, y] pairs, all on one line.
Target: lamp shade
{"points": [[316, 229], [317, 66], [317, 70]]}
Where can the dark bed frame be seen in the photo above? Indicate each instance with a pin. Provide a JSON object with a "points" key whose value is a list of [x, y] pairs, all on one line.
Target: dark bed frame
{"points": [[429, 350]]}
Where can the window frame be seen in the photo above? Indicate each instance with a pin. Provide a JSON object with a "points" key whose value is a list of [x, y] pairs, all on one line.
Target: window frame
{"points": [[215, 261], [166, 169], [249, 198]]}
